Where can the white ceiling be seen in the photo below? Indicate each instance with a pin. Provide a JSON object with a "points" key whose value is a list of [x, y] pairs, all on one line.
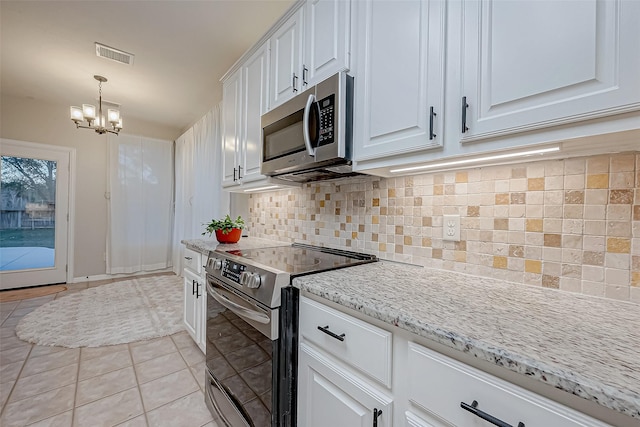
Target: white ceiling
{"points": [[181, 48]]}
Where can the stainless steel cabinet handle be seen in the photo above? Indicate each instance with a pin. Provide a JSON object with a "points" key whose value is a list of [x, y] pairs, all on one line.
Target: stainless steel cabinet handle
{"points": [[304, 75], [473, 408], [294, 82]]}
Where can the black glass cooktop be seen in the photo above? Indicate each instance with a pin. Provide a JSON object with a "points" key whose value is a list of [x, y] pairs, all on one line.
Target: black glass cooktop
{"points": [[299, 259]]}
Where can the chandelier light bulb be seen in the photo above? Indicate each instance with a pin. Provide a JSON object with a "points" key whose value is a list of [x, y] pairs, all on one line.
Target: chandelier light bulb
{"points": [[76, 114], [89, 112], [114, 116]]}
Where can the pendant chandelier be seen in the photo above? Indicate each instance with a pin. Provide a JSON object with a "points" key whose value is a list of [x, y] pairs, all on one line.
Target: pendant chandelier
{"points": [[96, 120]]}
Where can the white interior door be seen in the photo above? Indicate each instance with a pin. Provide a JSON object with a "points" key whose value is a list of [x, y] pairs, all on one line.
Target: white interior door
{"points": [[34, 214]]}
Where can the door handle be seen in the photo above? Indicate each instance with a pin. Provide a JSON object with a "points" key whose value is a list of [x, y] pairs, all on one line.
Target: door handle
{"points": [[294, 81], [304, 75], [305, 125], [193, 287], [239, 169], [198, 294], [234, 174]]}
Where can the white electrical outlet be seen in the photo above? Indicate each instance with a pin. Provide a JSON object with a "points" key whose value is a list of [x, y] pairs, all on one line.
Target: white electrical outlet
{"points": [[263, 217], [451, 228]]}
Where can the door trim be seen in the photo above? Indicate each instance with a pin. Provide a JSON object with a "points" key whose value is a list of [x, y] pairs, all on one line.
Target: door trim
{"points": [[71, 153]]}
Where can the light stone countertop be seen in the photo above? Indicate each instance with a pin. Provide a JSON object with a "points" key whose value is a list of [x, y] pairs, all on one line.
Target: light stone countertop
{"points": [[205, 245], [586, 346]]}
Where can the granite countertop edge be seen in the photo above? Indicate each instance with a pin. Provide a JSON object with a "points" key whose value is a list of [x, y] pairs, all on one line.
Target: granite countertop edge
{"points": [[623, 401]]}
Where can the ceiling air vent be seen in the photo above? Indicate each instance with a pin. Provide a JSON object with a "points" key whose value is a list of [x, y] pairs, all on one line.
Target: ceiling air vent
{"points": [[120, 56]]}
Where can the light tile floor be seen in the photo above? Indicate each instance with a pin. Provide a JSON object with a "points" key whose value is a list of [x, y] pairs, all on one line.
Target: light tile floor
{"points": [[157, 382]]}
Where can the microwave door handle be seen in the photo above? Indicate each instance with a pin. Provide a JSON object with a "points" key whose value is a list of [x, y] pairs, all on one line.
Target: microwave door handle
{"points": [[305, 125]]}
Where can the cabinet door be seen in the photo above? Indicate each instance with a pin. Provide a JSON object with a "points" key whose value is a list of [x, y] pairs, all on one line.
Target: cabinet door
{"points": [[532, 64], [330, 395], [190, 308], [231, 116], [286, 59], [400, 72], [327, 31], [255, 81]]}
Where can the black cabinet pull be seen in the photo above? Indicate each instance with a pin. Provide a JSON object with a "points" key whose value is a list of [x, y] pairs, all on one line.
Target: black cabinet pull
{"points": [[239, 169], [464, 114], [432, 114], [193, 287], [234, 174], [304, 75], [198, 294], [293, 83], [326, 330], [473, 408], [376, 413]]}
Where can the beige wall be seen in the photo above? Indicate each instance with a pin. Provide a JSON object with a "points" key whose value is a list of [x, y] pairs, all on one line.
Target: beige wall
{"points": [[568, 224], [34, 121]]}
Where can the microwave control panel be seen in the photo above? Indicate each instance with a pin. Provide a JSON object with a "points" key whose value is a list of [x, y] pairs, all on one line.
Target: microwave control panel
{"points": [[326, 106]]}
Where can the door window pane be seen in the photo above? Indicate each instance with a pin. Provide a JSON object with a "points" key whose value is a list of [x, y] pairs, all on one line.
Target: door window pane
{"points": [[27, 213]]}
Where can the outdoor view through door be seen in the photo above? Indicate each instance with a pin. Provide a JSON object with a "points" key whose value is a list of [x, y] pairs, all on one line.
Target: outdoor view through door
{"points": [[29, 187]]}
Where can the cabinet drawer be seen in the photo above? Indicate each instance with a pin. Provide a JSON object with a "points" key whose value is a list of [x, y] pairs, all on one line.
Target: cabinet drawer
{"points": [[357, 343], [192, 260], [438, 385]]}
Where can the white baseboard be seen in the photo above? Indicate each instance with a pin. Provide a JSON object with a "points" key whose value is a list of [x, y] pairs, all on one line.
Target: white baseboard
{"points": [[118, 276]]}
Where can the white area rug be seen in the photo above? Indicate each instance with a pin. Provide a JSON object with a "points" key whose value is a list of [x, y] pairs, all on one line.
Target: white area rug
{"points": [[110, 314]]}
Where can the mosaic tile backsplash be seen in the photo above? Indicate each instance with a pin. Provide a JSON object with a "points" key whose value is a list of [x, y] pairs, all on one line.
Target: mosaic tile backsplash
{"points": [[570, 224]]}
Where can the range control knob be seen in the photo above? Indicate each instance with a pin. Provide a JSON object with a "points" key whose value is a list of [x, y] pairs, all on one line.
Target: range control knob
{"points": [[216, 263], [250, 280]]}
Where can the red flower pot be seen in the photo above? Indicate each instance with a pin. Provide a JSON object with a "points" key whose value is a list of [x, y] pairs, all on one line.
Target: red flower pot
{"points": [[231, 237]]}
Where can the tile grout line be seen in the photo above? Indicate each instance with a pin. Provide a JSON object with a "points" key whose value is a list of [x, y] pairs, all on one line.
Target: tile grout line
{"points": [[135, 374]]}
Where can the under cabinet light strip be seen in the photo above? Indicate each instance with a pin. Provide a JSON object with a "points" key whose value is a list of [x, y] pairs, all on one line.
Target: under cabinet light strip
{"points": [[270, 187], [478, 159]]}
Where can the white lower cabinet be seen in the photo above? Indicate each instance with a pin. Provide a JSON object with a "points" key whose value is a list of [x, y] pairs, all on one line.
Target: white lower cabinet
{"points": [[343, 366], [195, 298], [331, 394], [340, 383], [443, 387]]}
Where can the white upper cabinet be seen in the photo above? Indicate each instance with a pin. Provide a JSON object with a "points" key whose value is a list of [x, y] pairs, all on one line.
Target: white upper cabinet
{"points": [[286, 60], [255, 80], [313, 44], [232, 118], [534, 64], [244, 102], [327, 32], [399, 82]]}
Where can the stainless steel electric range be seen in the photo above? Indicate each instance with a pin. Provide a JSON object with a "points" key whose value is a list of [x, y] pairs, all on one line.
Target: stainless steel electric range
{"points": [[252, 330]]}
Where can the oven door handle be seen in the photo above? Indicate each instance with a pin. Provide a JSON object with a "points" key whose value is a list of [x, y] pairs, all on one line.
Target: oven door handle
{"points": [[255, 315]]}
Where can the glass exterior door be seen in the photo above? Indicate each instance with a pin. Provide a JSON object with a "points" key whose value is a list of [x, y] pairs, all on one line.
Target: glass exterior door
{"points": [[33, 216]]}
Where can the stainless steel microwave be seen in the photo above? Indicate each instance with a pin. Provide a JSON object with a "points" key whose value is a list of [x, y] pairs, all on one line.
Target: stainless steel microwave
{"points": [[309, 137]]}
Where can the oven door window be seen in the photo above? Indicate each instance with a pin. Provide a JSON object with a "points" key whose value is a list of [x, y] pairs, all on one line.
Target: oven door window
{"points": [[239, 358]]}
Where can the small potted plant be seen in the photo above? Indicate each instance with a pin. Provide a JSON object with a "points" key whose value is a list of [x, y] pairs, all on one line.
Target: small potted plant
{"points": [[227, 230]]}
